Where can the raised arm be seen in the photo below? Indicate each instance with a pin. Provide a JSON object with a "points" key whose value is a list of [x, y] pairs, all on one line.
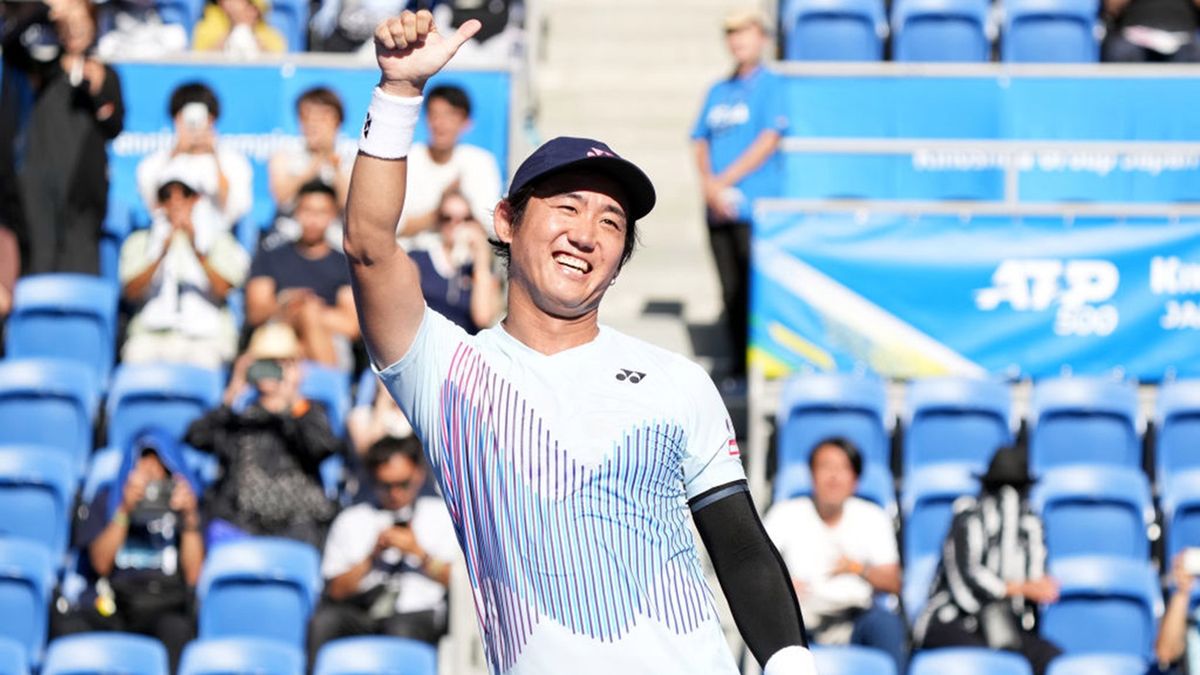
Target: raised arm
{"points": [[387, 289]]}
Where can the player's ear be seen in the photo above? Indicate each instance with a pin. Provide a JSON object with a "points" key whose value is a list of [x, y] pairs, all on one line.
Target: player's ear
{"points": [[502, 220]]}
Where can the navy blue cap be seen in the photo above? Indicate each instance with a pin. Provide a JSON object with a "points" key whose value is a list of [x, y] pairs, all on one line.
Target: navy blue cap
{"points": [[564, 152]]}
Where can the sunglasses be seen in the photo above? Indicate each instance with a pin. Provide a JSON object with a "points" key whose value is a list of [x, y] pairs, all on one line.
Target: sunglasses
{"points": [[386, 486]]}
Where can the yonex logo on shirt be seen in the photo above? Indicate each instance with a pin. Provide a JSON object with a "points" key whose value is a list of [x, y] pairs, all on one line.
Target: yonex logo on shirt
{"points": [[632, 376], [367, 126]]}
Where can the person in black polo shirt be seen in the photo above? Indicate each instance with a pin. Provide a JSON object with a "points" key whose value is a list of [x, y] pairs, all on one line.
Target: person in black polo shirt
{"points": [[1152, 30], [306, 283]]}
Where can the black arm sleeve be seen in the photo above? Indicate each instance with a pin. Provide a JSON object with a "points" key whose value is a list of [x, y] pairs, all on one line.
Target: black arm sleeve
{"points": [[752, 573]]}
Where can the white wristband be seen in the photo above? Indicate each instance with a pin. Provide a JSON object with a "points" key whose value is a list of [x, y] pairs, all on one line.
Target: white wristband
{"points": [[794, 660], [391, 120]]}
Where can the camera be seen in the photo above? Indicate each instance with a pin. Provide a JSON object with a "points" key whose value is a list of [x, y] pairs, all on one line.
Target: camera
{"points": [[194, 115], [1191, 561], [264, 369], [157, 499]]}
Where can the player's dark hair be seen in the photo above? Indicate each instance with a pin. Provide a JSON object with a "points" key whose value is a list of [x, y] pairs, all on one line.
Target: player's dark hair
{"points": [[194, 92], [383, 450], [845, 445], [454, 95], [322, 96], [316, 186]]}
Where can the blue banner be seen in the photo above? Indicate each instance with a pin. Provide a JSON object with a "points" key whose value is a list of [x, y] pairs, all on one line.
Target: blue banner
{"points": [[910, 297]]}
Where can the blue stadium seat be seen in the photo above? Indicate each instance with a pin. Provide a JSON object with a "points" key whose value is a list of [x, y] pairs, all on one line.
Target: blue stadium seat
{"points": [[330, 387], [49, 402], [391, 655], [1097, 664], [183, 12], [833, 30], [1084, 420], [260, 587], [105, 654], [875, 485], [71, 316], [368, 384], [955, 419], [851, 660], [1095, 510], [940, 30], [973, 660], [290, 17], [1050, 31], [102, 469], [37, 489], [1181, 511], [26, 581], [815, 407], [118, 222], [917, 580], [1105, 605], [13, 660], [927, 497], [169, 396], [1177, 419], [241, 655]]}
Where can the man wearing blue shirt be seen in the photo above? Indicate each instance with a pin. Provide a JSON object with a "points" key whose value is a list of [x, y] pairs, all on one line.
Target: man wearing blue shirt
{"points": [[735, 139]]}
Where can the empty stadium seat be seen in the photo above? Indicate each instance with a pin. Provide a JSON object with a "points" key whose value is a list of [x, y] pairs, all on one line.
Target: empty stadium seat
{"points": [[1095, 510], [13, 660], [1181, 511], [37, 488], [105, 654], [168, 396], [49, 402], [1097, 664], [71, 316], [183, 12], [875, 485], [1084, 420], [1050, 31], [241, 655], [392, 655], [833, 30], [330, 387], [259, 587], [955, 419], [973, 660], [102, 469], [1105, 605], [1177, 420], [852, 660], [815, 407], [940, 30], [927, 497], [26, 581], [916, 582], [290, 17]]}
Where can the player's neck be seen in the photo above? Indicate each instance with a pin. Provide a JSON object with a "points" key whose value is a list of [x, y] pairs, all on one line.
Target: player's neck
{"points": [[545, 333]]}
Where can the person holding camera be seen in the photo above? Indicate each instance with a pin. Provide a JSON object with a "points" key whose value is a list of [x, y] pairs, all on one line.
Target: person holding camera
{"points": [[54, 182], [387, 561], [143, 549], [1177, 647]]}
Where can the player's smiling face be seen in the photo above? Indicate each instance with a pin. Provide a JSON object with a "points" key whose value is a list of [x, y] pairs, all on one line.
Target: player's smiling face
{"points": [[567, 248]]}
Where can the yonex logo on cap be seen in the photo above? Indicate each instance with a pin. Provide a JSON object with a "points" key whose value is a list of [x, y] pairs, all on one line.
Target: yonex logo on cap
{"points": [[599, 152]]}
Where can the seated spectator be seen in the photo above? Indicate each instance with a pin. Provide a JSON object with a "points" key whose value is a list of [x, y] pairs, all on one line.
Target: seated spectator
{"points": [[222, 176], [10, 269], [306, 283], [841, 551], [970, 603], [315, 156], [455, 263], [133, 28], [349, 25], [239, 28], [443, 164], [271, 451], [387, 561], [141, 534], [381, 418], [1151, 30], [1177, 647], [178, 273]]}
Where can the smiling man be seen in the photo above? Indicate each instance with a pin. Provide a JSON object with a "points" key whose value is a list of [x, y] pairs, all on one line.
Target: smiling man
{"points": [[570, 456]]}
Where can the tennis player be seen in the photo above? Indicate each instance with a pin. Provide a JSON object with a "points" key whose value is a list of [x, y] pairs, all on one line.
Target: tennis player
{"points": [[570, 456]]}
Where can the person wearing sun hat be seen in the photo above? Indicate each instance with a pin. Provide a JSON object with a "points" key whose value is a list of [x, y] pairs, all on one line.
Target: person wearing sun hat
{"points": [[238, 27], [992, 575]]}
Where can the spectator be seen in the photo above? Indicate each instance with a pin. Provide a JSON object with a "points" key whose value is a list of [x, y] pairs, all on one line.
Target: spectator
{"points": [[841, 551], [271, 451], [179, 273], [974, 600], [1152, 30], [316, 156], [237, 27], [443, 164], [387, 562], [348, 25], [455, 263], [133, 28], [222, 176], [306, 283], [1178, 641], [735, 139], [381, 418], [144, 549], [10, 269], [56, 205]]}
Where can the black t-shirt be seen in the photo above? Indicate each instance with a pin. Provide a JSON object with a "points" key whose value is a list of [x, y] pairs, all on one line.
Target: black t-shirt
{"points": [[284, 264], [149, 559], [1169, 15]]}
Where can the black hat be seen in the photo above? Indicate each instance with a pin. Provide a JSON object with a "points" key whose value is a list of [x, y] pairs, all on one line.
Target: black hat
{"points": [[1009, 466], [564, 152]]}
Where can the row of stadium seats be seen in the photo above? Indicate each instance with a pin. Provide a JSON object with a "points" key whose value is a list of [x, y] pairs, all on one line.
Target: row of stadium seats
{"points": [[852, 660], [1034, 31]]}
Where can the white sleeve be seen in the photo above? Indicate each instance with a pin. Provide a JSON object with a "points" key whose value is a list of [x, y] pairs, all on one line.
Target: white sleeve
{"points": [[882, 539], [779, 521], [148, 171], [240, 175], [348, 543], [480, 184], [712, 456], [437, 532]]}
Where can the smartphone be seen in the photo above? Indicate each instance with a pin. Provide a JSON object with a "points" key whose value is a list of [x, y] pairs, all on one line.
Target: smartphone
{"points": [[264, 369], [158, 497], [1191, 560], [194, 116]]}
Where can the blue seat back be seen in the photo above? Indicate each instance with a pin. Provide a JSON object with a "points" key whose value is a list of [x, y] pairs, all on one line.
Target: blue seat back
{"points": [[1105, 605], [69, 316], [816, 407], [183, 12], [102, 469], [833, 30], [927, 502], [104, 654], [26, 580], [1178, 422], [953, 419], [290, 18], [330, 387], [241, 655], [168, 396], [973, 660], [13, 660], [940, 30], [1050, 31], [49, 402], [1082, 420], [259, 587], [852, 660], [1181, 511], [37, 486], [393, 655], [1097, 664], [1095, 510], [875, 485], [918, 579]]}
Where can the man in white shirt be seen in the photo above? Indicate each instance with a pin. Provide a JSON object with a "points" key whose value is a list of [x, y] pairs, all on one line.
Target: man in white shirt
{"points": [[387, 562], [841, 551]]}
